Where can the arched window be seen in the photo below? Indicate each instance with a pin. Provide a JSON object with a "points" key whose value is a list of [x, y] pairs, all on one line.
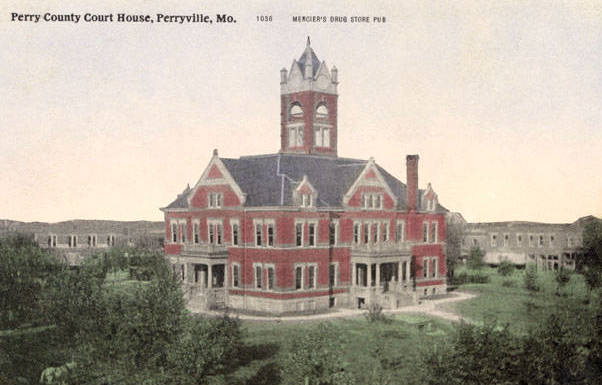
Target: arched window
{"points": [[296, 111], [322, 111]]}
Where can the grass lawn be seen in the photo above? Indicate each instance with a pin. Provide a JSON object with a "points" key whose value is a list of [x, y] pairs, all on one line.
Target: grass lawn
{"points": [[405, 337], [506, 300]]}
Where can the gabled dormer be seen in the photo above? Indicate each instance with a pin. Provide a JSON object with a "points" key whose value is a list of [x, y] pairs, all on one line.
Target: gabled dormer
{"points": [[430, 200], [370, 191], [305, 195], [216, 188]]}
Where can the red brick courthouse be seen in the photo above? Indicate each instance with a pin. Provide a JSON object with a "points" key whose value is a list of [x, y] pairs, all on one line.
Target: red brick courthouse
{"points": [[304, 229]]}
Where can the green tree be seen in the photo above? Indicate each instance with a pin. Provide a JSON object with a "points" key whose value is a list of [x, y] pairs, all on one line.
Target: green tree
{"points": [[530, 278], [454, 234], [207, 348], [590, 257], [475, 258], [314, 359], [505, 268], [563, 277]]}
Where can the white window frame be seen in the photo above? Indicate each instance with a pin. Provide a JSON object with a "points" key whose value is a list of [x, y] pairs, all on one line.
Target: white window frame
{"points": [[234, 222], [235, 266], [296, 135], [214, 225], [259, 239], [336, 273], [540, 238], [357, 235], [425, 267], [493, 239], [266, 268], [386, 226], [370, 202], [315, 226], [400, 235], [92, 240], [302, 224], [196, 231], [434, 232], [435, 272], [257, 285], [295, 267], [334, 225], [313, 276], [215, 199], [519, 239], [52, 240], [72, 240], [425, 231]]}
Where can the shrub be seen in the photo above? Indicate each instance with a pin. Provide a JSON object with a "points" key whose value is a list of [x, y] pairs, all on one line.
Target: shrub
{"points": [[475, 259], [375, 313], [508, 283], [472, 277], [531, 278], [505, 268]]}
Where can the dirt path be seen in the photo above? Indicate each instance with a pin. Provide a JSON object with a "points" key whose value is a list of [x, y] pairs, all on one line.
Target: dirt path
{"points": [[428, 307]]}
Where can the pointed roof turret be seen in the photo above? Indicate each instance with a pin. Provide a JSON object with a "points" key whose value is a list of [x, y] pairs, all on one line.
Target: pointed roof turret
{"points": [[308, 62]]}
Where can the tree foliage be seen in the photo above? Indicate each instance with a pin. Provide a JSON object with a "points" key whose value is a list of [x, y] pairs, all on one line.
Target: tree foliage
{"points": [[505, 268], [530, 278], [314, 359], [475, 258], [590, 260]]}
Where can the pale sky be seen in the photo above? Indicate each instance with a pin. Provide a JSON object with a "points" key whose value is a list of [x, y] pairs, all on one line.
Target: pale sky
{"points": [[501, 100]]}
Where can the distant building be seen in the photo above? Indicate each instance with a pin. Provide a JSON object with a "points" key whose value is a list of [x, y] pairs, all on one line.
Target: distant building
{"points": [[304, 229], [74, 240], [549, 246]]}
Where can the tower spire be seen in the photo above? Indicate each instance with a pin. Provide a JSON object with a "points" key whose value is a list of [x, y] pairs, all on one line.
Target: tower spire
{"points": [[308, 42]]}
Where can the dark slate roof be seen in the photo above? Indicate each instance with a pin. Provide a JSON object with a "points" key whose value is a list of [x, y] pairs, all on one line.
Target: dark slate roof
{"points": [[314, 61], [269, 180]]}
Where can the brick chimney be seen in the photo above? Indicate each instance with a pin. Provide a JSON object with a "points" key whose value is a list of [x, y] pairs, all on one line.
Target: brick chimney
{"points": [[412, 180]]}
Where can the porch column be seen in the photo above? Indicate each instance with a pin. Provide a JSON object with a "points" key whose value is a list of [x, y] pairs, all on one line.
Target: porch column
{"points": [[353, 275], [378, 275], [399, 271], [209, 276], [226, 283], [407, 270]]}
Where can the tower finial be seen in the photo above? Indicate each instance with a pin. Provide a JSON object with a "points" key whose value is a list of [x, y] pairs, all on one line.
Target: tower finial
{"points": [[308, 42]]}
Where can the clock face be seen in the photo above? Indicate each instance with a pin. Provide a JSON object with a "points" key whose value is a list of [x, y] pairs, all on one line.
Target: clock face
{"points": [[322, 82]]}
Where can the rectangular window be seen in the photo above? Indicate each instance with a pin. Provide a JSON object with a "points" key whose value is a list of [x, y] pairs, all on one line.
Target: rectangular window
{"points": [[332, 271], [493, 240], [312, 234], [434, 232], [366, 233], [434, 272], [400, 232], [318, 138], [215, 199], [258, 276], [506, 238], [183, 232], [356, 233], [219, 233], [312, 277], [519, 239], [299, 234], [235, 234], [92, 240], [292, 137], [298, 278], [386, 233], [425, 267], [270, 235], [331, 233], [258, 234], [211, 233], [425, 232], [218, 200], [375, 232], [326, 132], [235, 275], [174, 232], [540, 244], [197, 234], [270, 278]]}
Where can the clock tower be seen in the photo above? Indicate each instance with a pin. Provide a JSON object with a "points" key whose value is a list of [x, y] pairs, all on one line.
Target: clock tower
{"points": [[308, 110]]}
